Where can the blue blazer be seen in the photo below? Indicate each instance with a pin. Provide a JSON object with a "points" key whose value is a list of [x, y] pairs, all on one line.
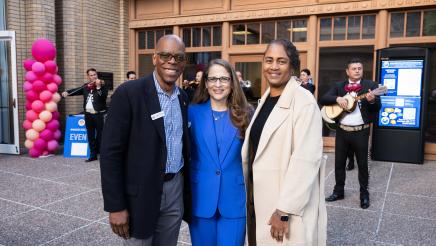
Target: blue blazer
{"points": [[217, 181]]}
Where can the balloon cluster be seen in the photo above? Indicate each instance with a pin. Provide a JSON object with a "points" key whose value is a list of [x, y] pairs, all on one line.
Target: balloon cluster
{"points": [[41, 86]]}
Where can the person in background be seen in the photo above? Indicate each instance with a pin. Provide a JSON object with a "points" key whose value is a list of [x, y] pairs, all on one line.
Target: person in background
{"points": [[306, 80], [218, 119], [131, 75], [145, 153], [282, 158], [94, 94], [354, 128], [246, 87], [190, 87]]}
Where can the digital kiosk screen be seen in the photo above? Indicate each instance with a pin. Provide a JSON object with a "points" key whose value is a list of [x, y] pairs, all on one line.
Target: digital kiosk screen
{"points": [[401, 106]]}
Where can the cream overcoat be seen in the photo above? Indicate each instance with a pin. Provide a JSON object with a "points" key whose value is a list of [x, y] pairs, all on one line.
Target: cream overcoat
{"points": [[288, 169]]}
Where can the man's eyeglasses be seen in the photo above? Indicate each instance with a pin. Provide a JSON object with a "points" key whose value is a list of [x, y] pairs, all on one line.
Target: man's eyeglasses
{"points": [[166, 57], [222, 79]]}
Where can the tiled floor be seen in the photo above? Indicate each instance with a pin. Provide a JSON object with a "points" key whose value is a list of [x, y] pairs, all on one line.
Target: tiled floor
{"points": [[57, 201]]}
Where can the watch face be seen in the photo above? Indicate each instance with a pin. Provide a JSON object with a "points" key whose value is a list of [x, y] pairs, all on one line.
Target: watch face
{"points": [[284, 218]]}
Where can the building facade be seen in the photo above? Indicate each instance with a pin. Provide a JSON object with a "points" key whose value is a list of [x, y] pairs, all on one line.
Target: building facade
{"points": [[115, 36], [326, 32]]}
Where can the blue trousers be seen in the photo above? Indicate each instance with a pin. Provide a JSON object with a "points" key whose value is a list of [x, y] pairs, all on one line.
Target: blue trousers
{"points": [[217, 231]]}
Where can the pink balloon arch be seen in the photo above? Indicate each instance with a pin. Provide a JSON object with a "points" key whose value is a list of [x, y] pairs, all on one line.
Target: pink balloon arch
{"points": [[41, 85]]}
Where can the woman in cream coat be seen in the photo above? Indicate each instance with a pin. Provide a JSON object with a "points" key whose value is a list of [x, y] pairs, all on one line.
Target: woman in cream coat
{"points": [[282, 159]]}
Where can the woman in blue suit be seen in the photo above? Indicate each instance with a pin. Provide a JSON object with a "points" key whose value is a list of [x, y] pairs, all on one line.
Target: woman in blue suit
{"points": [[217, 120]]}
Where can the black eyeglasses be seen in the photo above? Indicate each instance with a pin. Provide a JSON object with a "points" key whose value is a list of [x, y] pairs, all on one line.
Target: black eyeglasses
{"points": [[166, 57], [222, 79]]}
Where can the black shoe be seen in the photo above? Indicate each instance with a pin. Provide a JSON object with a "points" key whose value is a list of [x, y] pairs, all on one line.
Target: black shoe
{"points": [[334, 197], [364, 202], [91, 159], [350, 166]]}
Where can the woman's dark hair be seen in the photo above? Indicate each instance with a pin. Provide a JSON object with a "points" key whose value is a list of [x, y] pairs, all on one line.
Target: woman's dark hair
{"points": [[240, 110], [307, 71], [291, 52]]}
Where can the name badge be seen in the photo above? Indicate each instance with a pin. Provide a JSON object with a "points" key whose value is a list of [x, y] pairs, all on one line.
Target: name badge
{"points": [[157, 115]]}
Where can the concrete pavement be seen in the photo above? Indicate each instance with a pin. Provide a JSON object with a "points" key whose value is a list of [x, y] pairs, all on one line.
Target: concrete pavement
{"points": [[58, 201]]}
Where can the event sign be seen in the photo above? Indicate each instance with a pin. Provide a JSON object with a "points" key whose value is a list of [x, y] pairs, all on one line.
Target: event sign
{"points": [[76, 139]]}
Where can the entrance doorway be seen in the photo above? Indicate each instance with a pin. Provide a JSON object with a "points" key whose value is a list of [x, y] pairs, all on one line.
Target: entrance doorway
{"points": [[9, 125]]}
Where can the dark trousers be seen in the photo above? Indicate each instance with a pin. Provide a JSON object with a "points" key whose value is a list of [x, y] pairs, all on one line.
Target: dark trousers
{"points": [[94, 127], [358, 142]]}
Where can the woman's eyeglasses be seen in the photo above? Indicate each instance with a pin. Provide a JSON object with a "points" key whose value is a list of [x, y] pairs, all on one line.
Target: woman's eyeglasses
{"points": [[166, 57], [222, 79]]}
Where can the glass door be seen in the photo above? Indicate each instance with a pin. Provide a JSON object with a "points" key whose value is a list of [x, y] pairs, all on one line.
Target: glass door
{"points": [[250, 67], [9, 125]]}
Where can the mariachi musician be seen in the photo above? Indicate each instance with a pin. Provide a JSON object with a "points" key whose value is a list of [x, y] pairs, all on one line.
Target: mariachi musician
{"points": [[354, 127], [94, 94]]}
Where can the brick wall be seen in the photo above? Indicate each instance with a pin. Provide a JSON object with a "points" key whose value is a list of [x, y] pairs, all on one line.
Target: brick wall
{"points": [[87, 33]]}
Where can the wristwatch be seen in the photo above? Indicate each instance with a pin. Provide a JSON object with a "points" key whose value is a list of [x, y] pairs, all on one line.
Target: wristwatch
{"points": [[283, 217]]}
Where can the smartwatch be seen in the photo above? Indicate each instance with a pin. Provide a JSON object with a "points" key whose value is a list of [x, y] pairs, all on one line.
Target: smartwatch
{"points": [[283, 217]]}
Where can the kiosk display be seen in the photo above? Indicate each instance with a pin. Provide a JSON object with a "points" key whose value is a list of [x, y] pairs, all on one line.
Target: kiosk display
{"points": [[401, 106], [398, 134]]}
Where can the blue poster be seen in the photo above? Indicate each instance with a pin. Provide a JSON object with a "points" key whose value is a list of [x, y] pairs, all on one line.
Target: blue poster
{"points": [[401, 106], [76, 139]]}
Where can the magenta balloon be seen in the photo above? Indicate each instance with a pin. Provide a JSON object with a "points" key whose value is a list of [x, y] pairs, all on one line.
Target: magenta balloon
{"points": [[27, 86], [43, 50], [52, 125], [34, 153], [28, 105], [31, 115], [31, 95], [57, 79], [38, 106], [47, 135], [57, 134], [47, 78], [27, 64], [52, 145], [45, 96], [27, 124], [39, 86], [50, 66], [53, 87], [55, 115], [38, 68], [40, 144], [30, 76]]}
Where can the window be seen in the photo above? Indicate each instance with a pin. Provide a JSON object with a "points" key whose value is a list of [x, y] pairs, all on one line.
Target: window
{"points": [[147, 39], [339, 28], [429, 23], [325, 29], [347, 27], [265, 32], [2, 15], [202, 36], [413, 24]]}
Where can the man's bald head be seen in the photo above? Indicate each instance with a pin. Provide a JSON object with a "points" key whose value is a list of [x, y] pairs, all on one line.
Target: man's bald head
{"points": [[167, 39]]}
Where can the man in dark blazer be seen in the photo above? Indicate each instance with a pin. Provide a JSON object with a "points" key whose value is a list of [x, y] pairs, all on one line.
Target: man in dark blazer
{"points": [[94, 94], [145, 153], [354, 128]]}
